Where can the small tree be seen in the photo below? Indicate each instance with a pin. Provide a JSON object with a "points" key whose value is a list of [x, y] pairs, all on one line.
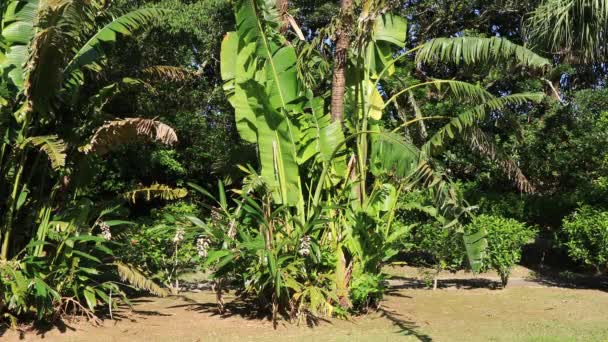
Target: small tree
{"points": [[505, 238], [438, 247], [586, 233]]}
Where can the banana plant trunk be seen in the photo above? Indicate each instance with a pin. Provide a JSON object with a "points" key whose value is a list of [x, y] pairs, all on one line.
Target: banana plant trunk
{"points": [[338, 87]]}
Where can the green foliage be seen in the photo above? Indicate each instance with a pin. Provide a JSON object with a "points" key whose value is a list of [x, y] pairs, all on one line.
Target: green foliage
{"points": [[586, 237], [152, 245], [437, 247], [76, 275], [367, 290], [576, 29], [506, 237], [282, 265], [51, 261]]}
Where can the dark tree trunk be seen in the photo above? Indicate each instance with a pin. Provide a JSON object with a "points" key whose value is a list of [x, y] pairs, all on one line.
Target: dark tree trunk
{"points": [[338, 87]]}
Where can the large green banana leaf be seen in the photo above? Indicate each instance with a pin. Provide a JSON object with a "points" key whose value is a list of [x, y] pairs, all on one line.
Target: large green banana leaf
{"points": [[17, 30], [261, 81], [389, 33]]}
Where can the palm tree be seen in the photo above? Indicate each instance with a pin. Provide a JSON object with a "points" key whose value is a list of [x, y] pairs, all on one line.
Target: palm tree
{"points": [[575, 30]]}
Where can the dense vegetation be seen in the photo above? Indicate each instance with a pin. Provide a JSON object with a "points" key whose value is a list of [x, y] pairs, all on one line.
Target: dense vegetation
{"points": [[292, 149]]}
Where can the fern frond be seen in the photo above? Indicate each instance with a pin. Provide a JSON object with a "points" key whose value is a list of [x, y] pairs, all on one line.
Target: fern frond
{"points": [[52, 146], [156, 190], [123, 131], [134, 277]]}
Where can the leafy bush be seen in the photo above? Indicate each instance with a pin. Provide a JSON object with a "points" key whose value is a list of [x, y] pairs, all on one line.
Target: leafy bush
{"points": [[437, 247], [586, 232], [74, 272], [367, 290], [163, 245], [505, 238]]}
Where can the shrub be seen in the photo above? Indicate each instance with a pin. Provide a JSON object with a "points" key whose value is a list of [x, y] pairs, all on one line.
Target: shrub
{"points": [[367, 290], [77, 273], [437, 247], [505, 238], [165, 247], [586, 232]]}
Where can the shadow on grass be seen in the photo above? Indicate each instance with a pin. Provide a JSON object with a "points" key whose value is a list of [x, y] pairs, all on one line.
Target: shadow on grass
{"points": [[62, 324], [407, 328], [569, 280], [251, 310], [399, 283]]}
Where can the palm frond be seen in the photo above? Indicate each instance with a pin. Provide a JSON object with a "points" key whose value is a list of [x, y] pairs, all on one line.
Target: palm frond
{"points": [[134, 277], [470, 117], [52, 146], [168, 73], [123, 131], [107, 93], [44, 75], [466, 91], [391, 154], [480, 142], [476, 50], [156, 190], [573, 28]]}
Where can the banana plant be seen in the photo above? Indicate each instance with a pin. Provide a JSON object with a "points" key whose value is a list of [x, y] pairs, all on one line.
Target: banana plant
{"points": [[311, 163], [46, 49]]}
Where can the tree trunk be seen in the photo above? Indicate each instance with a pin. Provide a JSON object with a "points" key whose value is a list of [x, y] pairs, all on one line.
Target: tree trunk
{"points": [[338, 86], [282, 6]]}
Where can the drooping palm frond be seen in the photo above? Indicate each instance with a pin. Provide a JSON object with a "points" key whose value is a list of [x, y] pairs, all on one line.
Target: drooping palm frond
{"points": [[136, 278], [481, 143], [451, 207], [107, 93], [465, 127], [471, 117], [156, 190], [52, 146], [476, 50], [92, 52], [168, 73], [44, 75], [576, 29], [393, 155], [465, 91], [123, 131]]}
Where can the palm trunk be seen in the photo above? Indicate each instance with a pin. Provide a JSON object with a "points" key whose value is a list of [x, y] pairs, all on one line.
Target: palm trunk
{"points": [[338, 87]]}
